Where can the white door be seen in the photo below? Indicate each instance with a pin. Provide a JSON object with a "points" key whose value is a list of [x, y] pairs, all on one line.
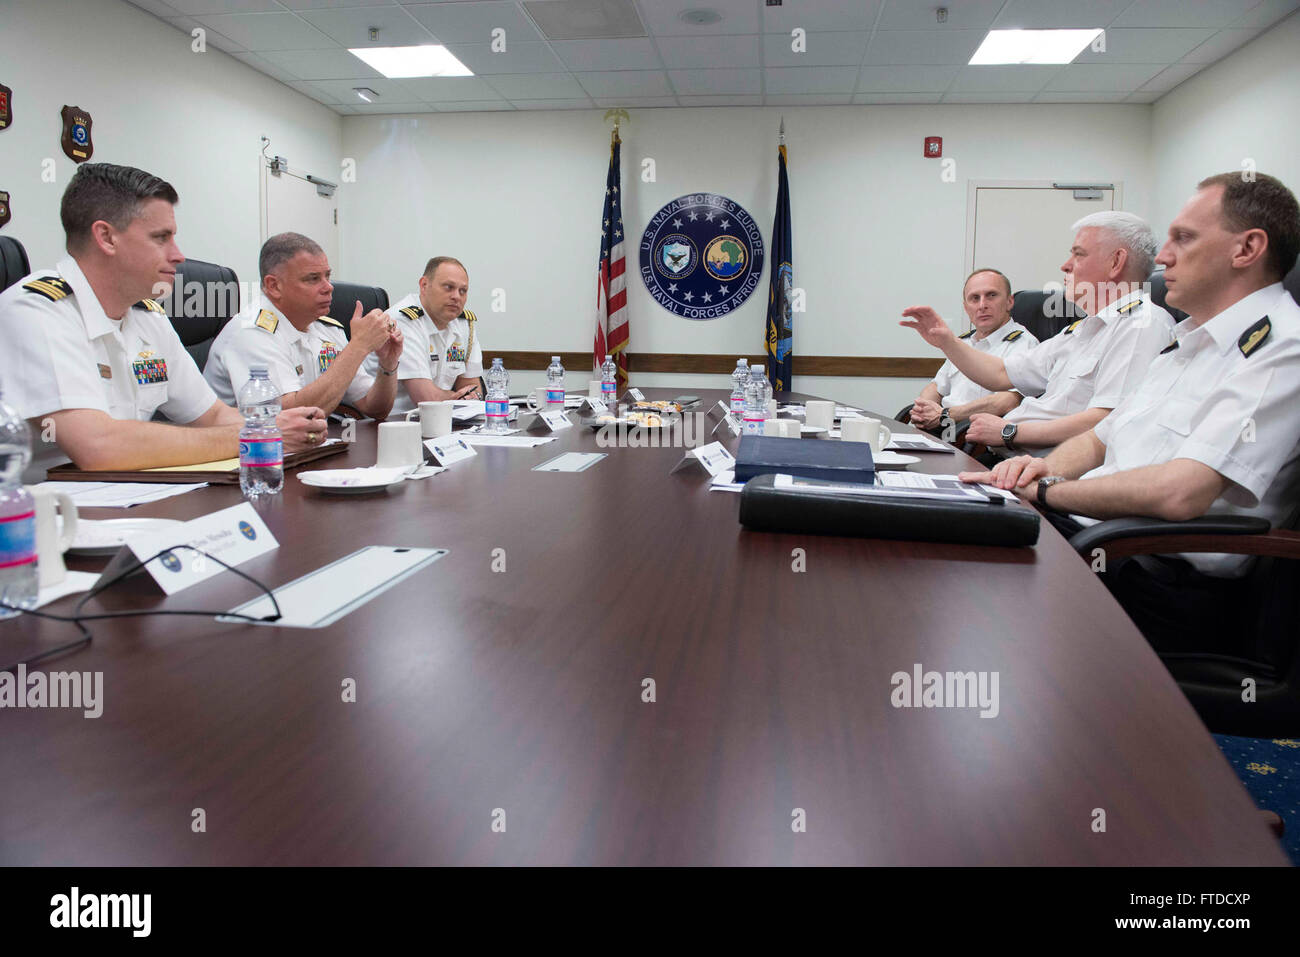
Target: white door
{"points": [[294, 206], [1024, 230]]}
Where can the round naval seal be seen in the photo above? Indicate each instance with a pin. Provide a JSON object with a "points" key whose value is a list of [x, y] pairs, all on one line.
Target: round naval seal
{"points": [[701, 256]]}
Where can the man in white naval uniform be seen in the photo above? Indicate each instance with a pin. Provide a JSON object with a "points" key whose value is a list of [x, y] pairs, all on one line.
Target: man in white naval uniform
{"points": [[89, 359], [1214, 429], [987, 299], [1072, 380], [442, 358], [287, 329]]}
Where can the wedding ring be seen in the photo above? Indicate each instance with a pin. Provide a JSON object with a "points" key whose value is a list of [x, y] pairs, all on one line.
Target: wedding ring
{"points": [[312, 437]]}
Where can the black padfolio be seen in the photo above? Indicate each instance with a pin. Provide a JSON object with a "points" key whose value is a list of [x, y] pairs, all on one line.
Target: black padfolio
{"points": [[765, 508]]}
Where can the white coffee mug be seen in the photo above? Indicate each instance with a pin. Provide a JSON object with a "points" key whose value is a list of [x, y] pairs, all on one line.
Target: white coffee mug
{"points": [[593, 388], [774, 427], [51, 542], [537, 400], [872, 431], [435, 419], [771, 409], [819, 413], [399, 444]]}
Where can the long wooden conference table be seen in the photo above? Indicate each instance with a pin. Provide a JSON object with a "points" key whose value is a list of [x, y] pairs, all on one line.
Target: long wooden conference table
{"points": [[487, 698]]}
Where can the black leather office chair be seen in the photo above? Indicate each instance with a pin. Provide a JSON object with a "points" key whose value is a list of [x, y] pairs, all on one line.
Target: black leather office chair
{"points": [[13, 262], [203, 299], [1269, 637], [1158, 292], [344, 302], [1044, 314]]}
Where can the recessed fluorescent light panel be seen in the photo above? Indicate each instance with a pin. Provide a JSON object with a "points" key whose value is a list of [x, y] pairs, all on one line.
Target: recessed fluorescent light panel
{"points": [[399, 63], [1033, 46]]}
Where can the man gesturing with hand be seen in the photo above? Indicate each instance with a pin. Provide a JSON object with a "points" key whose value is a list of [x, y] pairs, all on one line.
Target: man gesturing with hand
{"points": [[1214, 427], [288, 329]]}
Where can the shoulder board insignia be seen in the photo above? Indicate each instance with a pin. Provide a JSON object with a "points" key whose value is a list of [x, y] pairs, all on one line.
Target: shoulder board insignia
{"points": [[966, 335], [1071, 327], [267, 320], [1125, 309], [1170, 348], [51, 287], [328, 320], [1254, 337], [1012, 337], [152, 305], [412, 312], [466, 314]]}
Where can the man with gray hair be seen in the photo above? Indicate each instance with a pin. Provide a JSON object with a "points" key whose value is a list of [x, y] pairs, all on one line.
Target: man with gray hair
{"points": [[287, 328], [1072, 380]]}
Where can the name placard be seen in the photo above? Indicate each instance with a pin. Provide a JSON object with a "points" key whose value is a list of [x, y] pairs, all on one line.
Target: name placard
{"points": [[450, 449], [636, 394], [557, 420], [234, 535]]}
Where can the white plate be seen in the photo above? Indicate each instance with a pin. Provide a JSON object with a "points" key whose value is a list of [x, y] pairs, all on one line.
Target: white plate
{"points": [[888, 459], [812, 429], [105, 537], [349, 482]]}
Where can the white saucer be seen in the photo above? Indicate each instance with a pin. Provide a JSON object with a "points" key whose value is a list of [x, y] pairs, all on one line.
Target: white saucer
{"points": [[106, 536], [888, 459], [353, 481], [812, 429]]}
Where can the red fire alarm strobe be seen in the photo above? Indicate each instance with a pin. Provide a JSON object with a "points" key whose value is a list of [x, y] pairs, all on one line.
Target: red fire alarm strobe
{"points": [[934, 146]]}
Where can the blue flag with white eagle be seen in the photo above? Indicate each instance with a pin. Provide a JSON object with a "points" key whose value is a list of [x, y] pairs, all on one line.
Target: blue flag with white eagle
{"points": [[780, 326]]}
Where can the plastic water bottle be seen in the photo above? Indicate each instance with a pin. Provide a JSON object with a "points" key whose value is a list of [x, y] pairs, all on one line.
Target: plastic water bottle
{"points": [[497, 402], [739, 378], [767, 389], [19, 581], [555, 385], [609, 382], [261, 447], [755, 412]]}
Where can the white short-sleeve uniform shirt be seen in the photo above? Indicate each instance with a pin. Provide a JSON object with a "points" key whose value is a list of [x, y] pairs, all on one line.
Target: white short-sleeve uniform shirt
{"points": [[440, 355], [260, 334], [1008, 338], [1090, 364], [1227, 394], [59, 350]]}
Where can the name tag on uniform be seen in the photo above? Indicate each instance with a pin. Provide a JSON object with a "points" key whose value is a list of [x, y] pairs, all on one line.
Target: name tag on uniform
{"points": [[148, 369]]}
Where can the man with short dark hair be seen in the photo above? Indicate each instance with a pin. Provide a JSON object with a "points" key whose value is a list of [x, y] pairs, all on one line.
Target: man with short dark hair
{"points": [[1213, 429], [1075, 378], [987, 299], [287, 328], [442, 358], [89, 359]]}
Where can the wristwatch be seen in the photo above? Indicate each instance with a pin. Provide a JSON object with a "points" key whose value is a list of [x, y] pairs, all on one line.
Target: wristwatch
{"points": [[1044, 483], [1009, 433], [944, 414]]}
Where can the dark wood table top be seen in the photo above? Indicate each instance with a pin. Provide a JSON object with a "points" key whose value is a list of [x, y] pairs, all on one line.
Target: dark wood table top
{"points": [[522, 691]]}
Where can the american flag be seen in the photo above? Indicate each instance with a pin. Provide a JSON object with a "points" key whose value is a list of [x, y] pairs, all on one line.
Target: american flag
{"points": [[611, 291]]}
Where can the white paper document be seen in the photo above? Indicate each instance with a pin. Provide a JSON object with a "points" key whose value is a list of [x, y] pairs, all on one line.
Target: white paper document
{"points": [[466, 409], [118, 494], [509, 441], [481, 429], [919, 442], [948, 485], [726, 482], [570, 462]]}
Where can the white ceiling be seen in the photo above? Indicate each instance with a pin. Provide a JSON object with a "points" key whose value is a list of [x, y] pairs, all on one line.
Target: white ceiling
{"points": [[858, 51]]}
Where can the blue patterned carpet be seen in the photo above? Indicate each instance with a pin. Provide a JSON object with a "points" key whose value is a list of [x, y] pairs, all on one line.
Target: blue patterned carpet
{"points": [[1270, 769]]}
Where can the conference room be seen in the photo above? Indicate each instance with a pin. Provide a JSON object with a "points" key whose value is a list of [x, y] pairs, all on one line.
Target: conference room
{"points": [[537, 571]]}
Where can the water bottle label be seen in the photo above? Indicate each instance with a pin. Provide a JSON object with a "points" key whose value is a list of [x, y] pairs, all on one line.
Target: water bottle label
{"points": [[498, 408], [609, 390], [753, 425], [737, 404], [18, 540], [555, 396], [261, 453]]}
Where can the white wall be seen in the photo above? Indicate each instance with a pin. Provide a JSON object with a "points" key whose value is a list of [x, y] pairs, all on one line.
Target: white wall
{"points": [[1245, 106], [192, 118], [517, 196]]}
